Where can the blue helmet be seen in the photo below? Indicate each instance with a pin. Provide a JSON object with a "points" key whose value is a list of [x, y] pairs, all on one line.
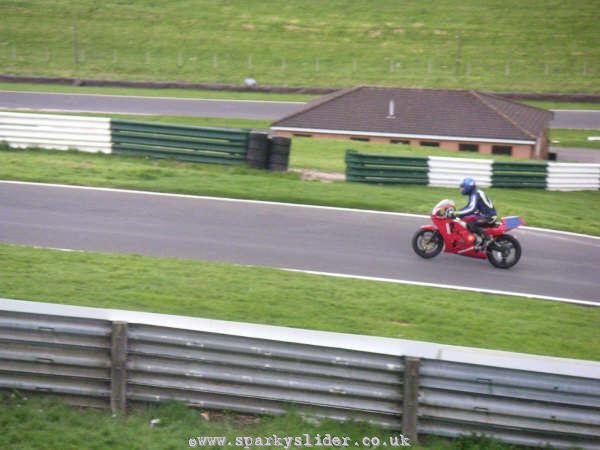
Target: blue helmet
{"points": [[467, 186]]}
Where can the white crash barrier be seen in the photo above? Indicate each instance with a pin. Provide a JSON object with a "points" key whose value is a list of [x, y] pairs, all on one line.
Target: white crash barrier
{"points": [[59, 132], [573, 177], [449, 172]]}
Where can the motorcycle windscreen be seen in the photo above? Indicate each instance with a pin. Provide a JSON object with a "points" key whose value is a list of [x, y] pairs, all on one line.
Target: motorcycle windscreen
{"points": [[513, 222]]}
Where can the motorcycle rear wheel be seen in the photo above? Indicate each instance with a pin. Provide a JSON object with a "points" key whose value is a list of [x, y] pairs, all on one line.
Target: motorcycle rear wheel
{"points": [[504, 252], [427, 243]]}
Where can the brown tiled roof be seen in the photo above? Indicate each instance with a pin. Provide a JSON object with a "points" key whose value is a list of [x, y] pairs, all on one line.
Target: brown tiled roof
{"points": [[421, 112]]}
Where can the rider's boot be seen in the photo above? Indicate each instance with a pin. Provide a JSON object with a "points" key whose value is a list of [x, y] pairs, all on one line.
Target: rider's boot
{"points": [[482, 242]]}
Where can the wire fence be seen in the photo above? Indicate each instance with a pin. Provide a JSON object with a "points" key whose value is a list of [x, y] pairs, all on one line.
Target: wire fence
{"points": [[291, 67]]}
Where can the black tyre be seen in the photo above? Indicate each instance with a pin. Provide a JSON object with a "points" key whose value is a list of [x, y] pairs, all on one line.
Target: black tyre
{"points": [[427, 243], [504, 252]]}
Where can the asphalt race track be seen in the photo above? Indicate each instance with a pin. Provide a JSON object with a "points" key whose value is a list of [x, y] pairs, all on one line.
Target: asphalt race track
{"points": [[331, 240], [120, 104], [242, 109]]}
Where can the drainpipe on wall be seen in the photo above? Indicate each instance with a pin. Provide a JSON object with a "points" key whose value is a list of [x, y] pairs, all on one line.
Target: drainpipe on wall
{"points": [[538, 147]]}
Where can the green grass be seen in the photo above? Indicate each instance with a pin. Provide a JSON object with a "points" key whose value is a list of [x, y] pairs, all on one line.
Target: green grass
{"points": [[328, 154], [561, 137], [564, 105], [222, 122], [154, 92], [271, 296], [568, 211], [32, 422], [496, 45], [251, 124]]}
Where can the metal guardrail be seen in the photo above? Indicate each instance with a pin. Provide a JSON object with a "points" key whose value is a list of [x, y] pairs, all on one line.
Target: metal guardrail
{"points": [[100, 357], [519, 407], [258, 375], [47, 353], [197, 144]]}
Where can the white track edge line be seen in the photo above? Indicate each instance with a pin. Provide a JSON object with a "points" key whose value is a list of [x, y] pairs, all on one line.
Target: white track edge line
{"points": [[267, 202], [454, 287], [448, 286]]}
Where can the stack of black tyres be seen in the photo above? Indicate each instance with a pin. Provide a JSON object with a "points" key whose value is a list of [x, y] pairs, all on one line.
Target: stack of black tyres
{"points": [[279, 153], [258, 150]]}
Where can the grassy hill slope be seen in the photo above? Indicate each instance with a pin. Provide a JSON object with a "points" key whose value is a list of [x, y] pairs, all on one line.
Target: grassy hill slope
{"points": [[496, 45]]}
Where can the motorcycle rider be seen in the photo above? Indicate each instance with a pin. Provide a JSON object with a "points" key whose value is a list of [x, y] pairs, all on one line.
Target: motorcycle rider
{"points": [[480, 209]]}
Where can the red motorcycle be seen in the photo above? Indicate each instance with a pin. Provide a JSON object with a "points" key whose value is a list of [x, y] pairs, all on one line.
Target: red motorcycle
{"points": [[452, 235]]}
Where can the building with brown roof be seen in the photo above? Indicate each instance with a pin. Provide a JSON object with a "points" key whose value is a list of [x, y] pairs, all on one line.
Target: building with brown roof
{"points": [[449, 119]]}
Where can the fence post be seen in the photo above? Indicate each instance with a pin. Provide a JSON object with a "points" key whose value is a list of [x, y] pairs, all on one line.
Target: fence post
{"points": [[410, 399], [118, 371]]}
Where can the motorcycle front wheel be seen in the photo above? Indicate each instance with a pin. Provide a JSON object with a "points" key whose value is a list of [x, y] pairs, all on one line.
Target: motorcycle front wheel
{"points": [[427, 243], [504, 252]]}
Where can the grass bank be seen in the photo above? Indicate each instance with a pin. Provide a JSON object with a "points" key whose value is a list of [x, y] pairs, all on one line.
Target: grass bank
{"points": [[588, 106], [495, 45], [562, 137], [568, 211], [328, 154], [272, 296]]}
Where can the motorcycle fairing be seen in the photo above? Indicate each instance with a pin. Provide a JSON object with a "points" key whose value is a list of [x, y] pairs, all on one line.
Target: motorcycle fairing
{"points": [[512, 222]]}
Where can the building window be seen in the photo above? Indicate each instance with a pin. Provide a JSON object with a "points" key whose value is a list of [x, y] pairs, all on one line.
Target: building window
{"points": [[302, 135], [430, 144], [502, 150], [468, 147], [364, 139], [400, 141]]}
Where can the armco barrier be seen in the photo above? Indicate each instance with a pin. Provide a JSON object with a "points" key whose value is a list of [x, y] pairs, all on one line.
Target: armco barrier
{"points": [[519, 175], [206, 145], [59, 132], [448, 172], [187, 143], [370, 168], [101, 357]]}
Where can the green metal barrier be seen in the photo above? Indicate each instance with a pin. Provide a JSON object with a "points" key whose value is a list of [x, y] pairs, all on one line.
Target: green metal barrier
{"points": [[368, 168], [519, 174], [197, 144]]}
